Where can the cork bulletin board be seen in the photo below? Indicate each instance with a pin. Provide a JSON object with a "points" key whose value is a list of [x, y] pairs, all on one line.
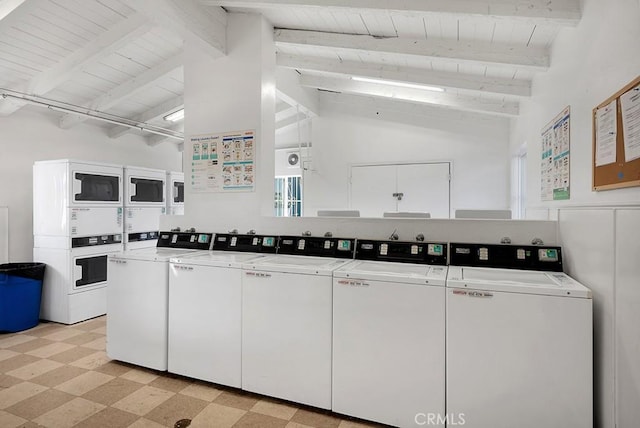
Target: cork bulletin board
{"points": [[616, 140]]}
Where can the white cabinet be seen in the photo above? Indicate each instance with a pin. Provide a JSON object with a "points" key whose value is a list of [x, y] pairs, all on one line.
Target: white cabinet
{"points": [[420, 187]]}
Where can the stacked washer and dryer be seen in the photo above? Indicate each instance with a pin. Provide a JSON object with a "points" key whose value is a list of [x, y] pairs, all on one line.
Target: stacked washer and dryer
{"points": [[77, 223], [144, 203]]}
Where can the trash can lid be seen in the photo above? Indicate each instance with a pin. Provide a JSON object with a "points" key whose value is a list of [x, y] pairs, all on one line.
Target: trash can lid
{"points": [[33, 270]]}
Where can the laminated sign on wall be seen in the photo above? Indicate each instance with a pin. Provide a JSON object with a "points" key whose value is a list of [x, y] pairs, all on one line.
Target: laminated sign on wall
{"points": [[222, 162], [554, 169]]}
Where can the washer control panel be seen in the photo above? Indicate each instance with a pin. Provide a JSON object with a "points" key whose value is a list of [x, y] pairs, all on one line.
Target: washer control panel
{"points": [[342, 248], [433, 253], [529, 257], [189, 240], [245, 243]]}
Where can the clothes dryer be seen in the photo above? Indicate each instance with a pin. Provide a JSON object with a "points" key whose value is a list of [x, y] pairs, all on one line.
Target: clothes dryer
{"points": [[286, 319], [137, 298], [175, 193], [519, 339], [205, 308], [389, 333], [144, 203]]}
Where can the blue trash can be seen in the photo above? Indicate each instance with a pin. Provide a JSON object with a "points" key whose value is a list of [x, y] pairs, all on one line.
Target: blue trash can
{"points": [[20, 294]]}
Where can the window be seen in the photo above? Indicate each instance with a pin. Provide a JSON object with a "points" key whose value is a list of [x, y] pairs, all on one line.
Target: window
{"points": [[288, 196], [521, 185]]}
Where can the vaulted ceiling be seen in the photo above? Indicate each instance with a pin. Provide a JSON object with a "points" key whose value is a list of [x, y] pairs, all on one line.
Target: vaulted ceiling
{"points": [[120, 62]]}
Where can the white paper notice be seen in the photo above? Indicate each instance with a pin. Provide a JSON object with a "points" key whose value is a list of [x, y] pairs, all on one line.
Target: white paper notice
{"points": [[630, 105], [606, 130], [554, 167], [223, 162]]}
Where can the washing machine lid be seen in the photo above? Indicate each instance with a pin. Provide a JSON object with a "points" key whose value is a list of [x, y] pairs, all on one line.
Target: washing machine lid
{"points": [[231, 259], [516, 281], [309, 265], [407, 273], [156, 254]]}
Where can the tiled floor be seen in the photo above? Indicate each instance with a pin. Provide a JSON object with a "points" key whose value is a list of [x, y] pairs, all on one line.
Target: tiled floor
{"points": [[59, 376]]}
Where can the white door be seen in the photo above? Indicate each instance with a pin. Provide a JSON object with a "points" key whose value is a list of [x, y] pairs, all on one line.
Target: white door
{"points": [[371, 189], [424, 187]]}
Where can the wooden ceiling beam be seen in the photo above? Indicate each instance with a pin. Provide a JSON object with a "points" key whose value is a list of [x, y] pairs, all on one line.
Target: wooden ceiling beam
{"points": [[465, 82], [125, 90], [558, 12], [104, 45], [204, 26], [469, 52], [460, 102]]}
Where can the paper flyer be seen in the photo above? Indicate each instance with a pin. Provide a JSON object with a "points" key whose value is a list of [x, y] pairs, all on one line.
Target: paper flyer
{"points": [[555, 161], [222, 162]]}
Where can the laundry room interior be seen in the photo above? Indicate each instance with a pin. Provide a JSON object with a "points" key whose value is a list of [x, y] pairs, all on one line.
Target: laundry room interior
{"points": [[461, 163]]}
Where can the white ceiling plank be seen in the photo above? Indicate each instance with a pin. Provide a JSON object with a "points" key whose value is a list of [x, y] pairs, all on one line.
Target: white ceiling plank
{"points": [[466, 52], [412, 75], [155, 113], [107, 43], [51, 12], [378, 24], [125, 90], [467, 103], [14, 11], [561, 12], [29, 44], [204, 26]]}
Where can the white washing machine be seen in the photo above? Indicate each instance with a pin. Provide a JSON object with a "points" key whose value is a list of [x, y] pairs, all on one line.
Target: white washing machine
{"points": [[77, 222], [519, 339], [205, 308], [137, 298], [144, 203], [389, 333], [175, 193], [287, 317]]}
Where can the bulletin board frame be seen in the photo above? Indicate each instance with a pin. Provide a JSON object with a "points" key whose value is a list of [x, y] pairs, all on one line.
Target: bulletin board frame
{"points": [[619, 174]]}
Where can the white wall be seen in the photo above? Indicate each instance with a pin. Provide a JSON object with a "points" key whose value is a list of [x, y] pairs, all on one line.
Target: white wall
{"points": [[590, 63], [479, 156], [233, 93], [31, 135]]}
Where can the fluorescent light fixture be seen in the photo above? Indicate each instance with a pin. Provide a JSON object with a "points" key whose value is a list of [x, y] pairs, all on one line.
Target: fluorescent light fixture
{"points": [[395, 83], [175, 116]]}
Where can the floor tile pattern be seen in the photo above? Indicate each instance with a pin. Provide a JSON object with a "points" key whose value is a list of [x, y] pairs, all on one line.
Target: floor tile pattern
{"points": [[59, 376]]}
